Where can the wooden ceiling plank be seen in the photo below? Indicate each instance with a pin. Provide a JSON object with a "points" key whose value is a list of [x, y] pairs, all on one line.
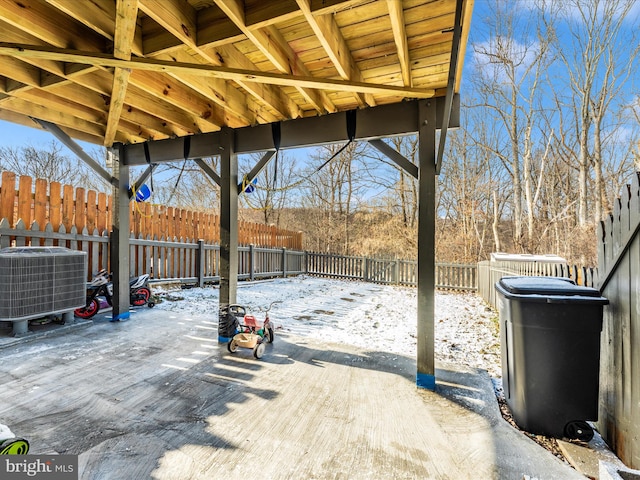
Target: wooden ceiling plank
{"points": [[328, 33], [228, 55], [277, 50], [181, 21], [177, 16], [99, 16], [216, 90], [396, 14], [215, 28], [36, 110], [260, 14], [20, 71], [326, 7], [21, 119], [171, 91], [50, 25]]}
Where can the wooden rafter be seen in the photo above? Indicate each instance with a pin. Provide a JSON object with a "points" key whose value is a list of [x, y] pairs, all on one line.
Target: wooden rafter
{"points": [[328, 33], [396, 15], [134, 70], [277, 51], [126, 16], [159, 66]]}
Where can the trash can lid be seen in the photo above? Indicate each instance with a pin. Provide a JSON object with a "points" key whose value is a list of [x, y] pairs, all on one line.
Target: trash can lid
{"points": [[556, 286]]}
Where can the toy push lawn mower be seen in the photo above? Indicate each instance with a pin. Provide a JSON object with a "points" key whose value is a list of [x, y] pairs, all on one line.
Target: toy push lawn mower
{"points": [[250, 332], [10, 444]]}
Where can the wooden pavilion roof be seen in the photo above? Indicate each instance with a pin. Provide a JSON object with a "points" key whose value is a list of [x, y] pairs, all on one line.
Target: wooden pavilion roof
{"points": [[128, 71]]}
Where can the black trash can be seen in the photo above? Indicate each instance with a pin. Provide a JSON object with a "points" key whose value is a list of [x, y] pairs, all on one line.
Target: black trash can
{"points": [[550, 336]]}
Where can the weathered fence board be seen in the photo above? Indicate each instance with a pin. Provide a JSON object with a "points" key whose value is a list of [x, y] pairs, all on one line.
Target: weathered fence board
{"points": [[619, 260], [66, 205]]}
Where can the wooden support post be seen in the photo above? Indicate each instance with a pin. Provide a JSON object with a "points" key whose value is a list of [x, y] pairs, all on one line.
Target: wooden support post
{"points": [[425, 377], [228, 231], [120, 240]]}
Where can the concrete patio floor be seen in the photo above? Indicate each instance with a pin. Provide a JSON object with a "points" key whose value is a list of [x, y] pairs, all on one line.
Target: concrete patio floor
{"points": [[157, 397]]}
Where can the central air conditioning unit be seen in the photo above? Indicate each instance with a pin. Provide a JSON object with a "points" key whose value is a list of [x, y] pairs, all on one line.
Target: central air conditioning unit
{"points": [[40, 281]]}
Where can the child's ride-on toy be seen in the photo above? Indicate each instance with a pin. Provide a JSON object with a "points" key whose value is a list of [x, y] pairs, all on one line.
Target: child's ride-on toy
{"points": [[10, 445], [250, 332]]}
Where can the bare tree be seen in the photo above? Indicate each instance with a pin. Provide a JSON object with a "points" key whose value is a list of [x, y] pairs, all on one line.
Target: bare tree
{"points": [[272, 189], [598, 60], [509, 82], [49, 163]]}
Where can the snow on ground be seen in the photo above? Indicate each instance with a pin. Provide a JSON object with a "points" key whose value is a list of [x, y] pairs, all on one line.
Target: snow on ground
{"points": [[370, 316]]}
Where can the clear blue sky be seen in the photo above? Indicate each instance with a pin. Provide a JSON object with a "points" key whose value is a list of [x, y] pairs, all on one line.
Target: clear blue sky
{"points": [[14, 135]]}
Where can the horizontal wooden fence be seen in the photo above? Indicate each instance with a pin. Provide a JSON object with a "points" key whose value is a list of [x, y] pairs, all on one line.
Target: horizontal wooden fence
{"points": [[448, 276], [22, 197]]}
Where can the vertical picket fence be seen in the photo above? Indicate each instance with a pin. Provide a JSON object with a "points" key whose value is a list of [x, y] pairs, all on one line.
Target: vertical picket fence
{"points": [[490, 272], [22, 198], [619, 263], [448, 276]]}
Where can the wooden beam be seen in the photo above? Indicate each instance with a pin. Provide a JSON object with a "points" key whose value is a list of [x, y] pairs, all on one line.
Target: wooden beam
{"points": [[118, 93], [219, 91], [180, 20], [374, 122], [144, 64], [274, 47], [50, 25], [272, 97], [396, 14], [126, 15], [331, 39], [176, 16], [207, 116], [99, 16]]}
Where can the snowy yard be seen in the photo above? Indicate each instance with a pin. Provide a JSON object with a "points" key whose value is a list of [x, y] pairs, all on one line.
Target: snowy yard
{"points": [[370, 316]]}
